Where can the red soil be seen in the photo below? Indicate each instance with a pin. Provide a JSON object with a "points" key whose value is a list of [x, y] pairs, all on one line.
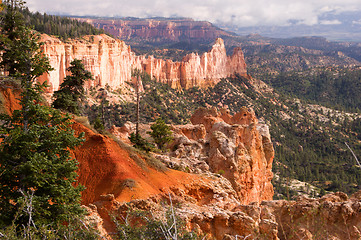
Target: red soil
{"points": [[107, 168], [10, 98]]}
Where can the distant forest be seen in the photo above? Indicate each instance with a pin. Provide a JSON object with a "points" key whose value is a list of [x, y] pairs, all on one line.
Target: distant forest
{"points": [[61, 27], [332, 87]]}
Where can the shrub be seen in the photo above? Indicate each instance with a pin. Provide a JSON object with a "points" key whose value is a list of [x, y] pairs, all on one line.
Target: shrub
{"points": [[140, 143], [161, 133]]}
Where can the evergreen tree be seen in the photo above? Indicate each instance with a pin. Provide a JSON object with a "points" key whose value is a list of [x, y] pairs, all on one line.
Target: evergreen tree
{"points": [[140, 143], [161, 133], [71, 91], [18, 44], [35, 140]]}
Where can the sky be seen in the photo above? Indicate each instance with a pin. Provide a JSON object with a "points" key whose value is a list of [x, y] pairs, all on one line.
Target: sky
{"points": [[243, 13]]}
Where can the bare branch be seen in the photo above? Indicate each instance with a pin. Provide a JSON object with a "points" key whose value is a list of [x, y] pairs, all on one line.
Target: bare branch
{"points": [[353, 154]]}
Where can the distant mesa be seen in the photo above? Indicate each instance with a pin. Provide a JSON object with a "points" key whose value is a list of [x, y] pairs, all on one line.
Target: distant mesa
{"points": [[159, 29]]}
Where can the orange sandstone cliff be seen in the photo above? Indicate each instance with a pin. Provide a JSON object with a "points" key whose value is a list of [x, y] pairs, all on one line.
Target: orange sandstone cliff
{"points": [[237, 147], [111, 62]]}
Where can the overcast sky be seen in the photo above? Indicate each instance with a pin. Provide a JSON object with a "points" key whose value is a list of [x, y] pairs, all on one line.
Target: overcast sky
{"points": [[240, 12]]}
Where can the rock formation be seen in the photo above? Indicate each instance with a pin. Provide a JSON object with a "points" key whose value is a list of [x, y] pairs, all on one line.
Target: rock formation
{"points": [[111, 62], [159, 30], [333, 216], [9, 96], [238, 147]]}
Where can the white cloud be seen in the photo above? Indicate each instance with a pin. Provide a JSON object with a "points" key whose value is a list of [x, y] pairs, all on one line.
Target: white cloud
{"points": [[330, 22], [239, 12]]}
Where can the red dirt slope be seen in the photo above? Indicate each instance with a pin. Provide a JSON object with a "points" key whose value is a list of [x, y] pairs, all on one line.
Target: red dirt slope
{"points": [[105, 167]]}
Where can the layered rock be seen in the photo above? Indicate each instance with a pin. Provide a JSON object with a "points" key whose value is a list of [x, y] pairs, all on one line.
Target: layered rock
{"points": [[111, 62], [333, 216], [237, 147], [159, 30], [220, 216]]}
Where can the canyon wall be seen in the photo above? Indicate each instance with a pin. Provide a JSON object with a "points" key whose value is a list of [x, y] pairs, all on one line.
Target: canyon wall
{"points": [[111, 62], [159, 30]]}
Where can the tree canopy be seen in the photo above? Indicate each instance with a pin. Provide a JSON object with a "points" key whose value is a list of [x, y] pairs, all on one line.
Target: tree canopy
{"points": [[161, 133], [35, 162], [72, 89]]}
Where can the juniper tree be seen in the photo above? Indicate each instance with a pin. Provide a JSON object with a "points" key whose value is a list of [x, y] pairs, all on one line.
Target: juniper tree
{"points": [[34, 140]]}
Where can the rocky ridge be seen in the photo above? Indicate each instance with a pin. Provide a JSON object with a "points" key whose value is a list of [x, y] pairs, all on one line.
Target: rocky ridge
{"points": [[278, 58], [237, 147], [159, 30], [111, 62]]}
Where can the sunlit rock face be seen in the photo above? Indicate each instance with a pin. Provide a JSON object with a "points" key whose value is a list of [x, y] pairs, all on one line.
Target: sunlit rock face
{"points": [[111, 62], [240, 149]]}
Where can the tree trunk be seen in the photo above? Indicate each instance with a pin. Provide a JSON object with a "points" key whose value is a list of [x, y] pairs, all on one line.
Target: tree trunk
{"points": [[137, 122]]}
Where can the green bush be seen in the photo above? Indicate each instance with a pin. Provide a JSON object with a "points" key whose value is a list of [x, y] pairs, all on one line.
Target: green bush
{"points": [[140, 143], [161, 133]]}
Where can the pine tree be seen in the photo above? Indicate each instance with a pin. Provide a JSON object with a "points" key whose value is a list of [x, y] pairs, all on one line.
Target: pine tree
{"points": [[71, 91], [18, 43], [35, 140], [161, 133]]}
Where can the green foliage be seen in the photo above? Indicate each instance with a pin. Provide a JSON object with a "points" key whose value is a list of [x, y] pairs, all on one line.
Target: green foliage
{"points": [[34, 155], [174, 51], [139, 155], [19, 47], [332, 87], [140, 143], [62, 27], [35, 140], [98, 125], [161, 133], [71, 91], [75, 228]]}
